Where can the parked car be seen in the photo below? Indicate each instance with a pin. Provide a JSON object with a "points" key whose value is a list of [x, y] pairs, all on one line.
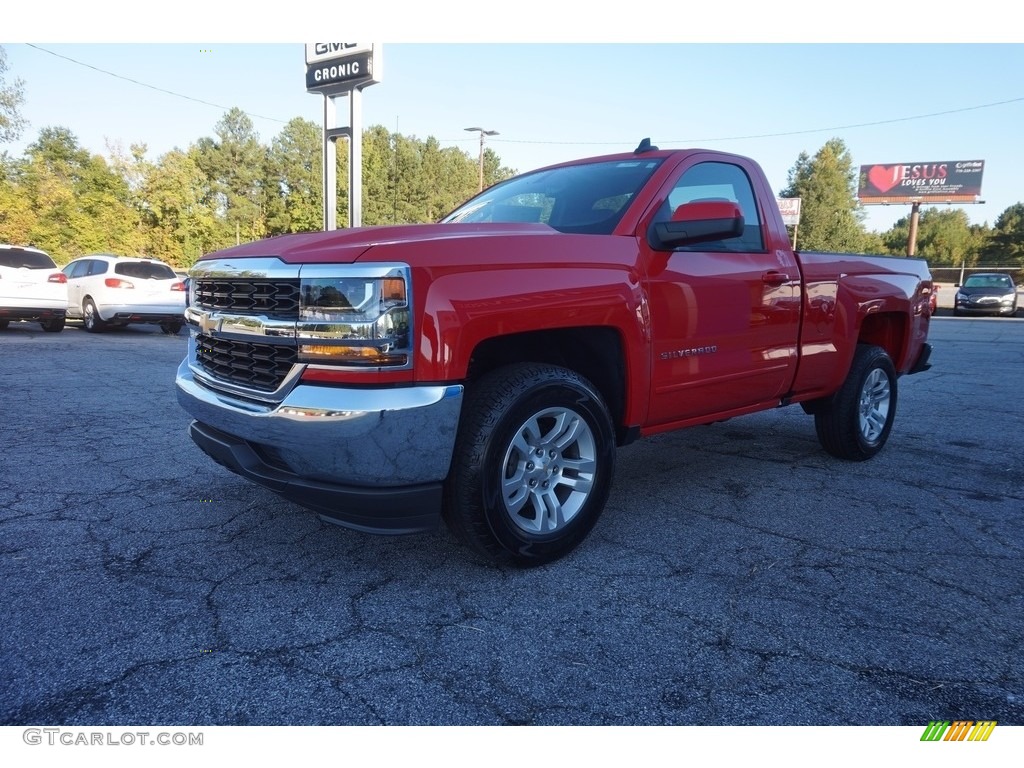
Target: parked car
{"points": [[986, 293], [106, 290], [31, 288]]}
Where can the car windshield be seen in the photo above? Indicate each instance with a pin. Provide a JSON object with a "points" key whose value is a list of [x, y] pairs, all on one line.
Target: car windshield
{"points": [[16, 258], [1001, 282], [588, 199], [145, 270]]}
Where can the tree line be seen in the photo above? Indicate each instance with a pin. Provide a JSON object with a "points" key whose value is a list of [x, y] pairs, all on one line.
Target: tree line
{"points": [[231, 187], [221, 190]]}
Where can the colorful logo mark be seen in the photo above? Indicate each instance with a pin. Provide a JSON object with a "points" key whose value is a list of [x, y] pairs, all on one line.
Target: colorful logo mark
{"points": [[958, 730]]}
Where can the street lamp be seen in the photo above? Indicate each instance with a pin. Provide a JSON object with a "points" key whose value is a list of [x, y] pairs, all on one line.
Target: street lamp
{"points": [[482, 134]]}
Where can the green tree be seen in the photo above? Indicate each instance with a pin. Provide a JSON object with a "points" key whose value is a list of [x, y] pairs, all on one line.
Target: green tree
{"points": [[1005, 244], [17, 217], [831, 218], [944, 237], [182, 224], [235, 165], [12, 96], [82, 206], [294, 196]]}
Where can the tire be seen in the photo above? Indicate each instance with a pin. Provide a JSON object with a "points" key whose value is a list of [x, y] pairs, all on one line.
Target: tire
{"points": [[53, 326], [856, 421], [4, 324], [91, 319], [533, 464], [171, 329]]}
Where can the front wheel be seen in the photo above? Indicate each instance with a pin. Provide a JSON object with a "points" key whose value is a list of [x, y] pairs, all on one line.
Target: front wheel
{"points": [[56, 325], [855, 423], [171, 328], [533, 464]]}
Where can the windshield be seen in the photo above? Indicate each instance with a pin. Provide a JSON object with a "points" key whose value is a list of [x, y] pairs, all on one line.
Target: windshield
{"points": [[1002, 282], [145, 270], [588, 199]]}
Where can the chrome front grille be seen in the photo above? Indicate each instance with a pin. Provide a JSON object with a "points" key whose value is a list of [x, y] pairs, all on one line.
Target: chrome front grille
{"points": [[247, 364], [271, 297]]}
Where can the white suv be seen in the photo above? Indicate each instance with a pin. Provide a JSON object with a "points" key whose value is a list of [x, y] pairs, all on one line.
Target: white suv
{"points": [[106, 290], [31, 288]]}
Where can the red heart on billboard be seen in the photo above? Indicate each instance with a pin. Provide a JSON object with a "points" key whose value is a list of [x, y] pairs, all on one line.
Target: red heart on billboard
{"points": [[884, 177]]}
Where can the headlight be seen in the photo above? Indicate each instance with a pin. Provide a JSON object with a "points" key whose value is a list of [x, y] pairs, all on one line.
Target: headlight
{"points": [[361, 319], [961, 297], [1008, 299]]}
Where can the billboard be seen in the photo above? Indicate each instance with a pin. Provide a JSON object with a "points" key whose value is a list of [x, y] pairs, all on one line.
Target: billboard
{"points": [[942, 182]]}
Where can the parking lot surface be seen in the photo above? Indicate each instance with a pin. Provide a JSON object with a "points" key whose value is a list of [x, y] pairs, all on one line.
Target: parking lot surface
{"points": [[738, 576]]}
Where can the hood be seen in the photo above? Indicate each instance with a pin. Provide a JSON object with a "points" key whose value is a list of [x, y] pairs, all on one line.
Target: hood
{"points": [[345, 246]]}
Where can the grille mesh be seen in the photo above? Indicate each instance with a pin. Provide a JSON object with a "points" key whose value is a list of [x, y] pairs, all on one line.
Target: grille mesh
{"points": [[259, 366], [277, 298]]}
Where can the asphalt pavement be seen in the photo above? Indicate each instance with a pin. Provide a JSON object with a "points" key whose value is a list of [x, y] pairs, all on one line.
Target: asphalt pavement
{"points": [[738, 576]]}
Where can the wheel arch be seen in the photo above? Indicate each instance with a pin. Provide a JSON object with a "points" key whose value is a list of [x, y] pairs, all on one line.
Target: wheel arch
{"points": [[595, 352]]}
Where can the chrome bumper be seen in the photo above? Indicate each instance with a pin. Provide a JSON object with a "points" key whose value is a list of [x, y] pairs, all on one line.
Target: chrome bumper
{"points": [[388, 437]]}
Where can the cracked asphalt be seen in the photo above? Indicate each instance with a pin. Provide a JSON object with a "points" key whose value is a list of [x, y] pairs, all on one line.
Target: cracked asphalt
{"points": [[738, 576]]}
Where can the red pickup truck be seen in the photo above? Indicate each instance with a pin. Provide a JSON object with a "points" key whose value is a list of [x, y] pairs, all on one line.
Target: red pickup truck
{"points": [[485, 369]]}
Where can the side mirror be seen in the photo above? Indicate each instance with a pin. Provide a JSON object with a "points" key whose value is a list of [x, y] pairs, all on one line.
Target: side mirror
{"points": [[701, 221]]}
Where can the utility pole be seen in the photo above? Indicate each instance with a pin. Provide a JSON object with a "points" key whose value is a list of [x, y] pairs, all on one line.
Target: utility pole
{"points": [[483, 133]]}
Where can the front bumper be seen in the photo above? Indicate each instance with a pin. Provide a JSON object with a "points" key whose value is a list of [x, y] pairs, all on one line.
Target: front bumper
{"points": [[985, 309], [370, 459]]}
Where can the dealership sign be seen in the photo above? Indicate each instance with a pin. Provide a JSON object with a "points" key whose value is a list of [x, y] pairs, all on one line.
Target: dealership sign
{"points": [[337, 68], [948, 181]]}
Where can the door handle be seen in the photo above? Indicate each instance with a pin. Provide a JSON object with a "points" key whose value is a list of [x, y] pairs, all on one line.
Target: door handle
{"points": [[774, 278]]}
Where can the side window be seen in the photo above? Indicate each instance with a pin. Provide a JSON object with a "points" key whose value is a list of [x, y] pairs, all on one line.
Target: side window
{"points": [[97, 267], [719, 181], [81, 269]]}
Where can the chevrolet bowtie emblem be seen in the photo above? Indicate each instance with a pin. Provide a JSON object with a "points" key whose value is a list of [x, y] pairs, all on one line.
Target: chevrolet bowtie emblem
{"points": [[209, 324]]}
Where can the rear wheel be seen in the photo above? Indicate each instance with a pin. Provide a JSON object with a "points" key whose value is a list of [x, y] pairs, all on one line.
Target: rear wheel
{"points": [[855, 422], [533, 464], [53, 326], [91, 318], [171, 329]]}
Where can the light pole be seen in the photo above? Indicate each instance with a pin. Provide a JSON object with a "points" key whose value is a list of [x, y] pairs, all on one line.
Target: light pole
{"points": [[482, 134]]}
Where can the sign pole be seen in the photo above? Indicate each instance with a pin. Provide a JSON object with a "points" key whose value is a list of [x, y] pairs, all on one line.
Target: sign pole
{"points": [[915, 214], [330, 171], [355, 159], [340, 69]]}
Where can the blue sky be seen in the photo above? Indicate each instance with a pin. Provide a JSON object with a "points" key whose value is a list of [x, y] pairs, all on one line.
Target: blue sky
{"points": [[891, 102]]}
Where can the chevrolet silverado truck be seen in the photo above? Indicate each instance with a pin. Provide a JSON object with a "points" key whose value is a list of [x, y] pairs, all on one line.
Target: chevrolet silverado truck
{"points": [[485, 369]]}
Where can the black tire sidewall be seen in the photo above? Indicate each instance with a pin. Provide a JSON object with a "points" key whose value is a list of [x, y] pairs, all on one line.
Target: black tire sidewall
{"points": [[879, 360], [839, 426], [480, 485]]}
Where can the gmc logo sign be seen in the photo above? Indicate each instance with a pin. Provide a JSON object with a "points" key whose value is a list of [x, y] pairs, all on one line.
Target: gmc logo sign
{"points": [[317, 53], [323, 49]]}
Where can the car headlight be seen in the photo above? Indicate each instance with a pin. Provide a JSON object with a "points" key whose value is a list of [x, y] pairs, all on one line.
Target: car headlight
{"points": [[1008, 299], [360, 320], [961, 298]]}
